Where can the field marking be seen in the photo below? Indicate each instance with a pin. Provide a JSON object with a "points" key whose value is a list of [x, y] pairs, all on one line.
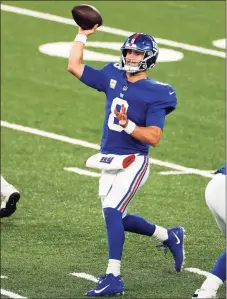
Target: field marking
{"points": [[50, 135], [3, 276], [161, 41], [62, 49], [97, 174], [94, 279], [82, 171], [11, 294], [203, 173], [85, 276], [172, 172], [220, 43], [197, 271]]}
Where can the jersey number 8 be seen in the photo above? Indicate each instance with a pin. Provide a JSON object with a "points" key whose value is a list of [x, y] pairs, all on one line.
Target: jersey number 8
{"points": [[112, 116]]}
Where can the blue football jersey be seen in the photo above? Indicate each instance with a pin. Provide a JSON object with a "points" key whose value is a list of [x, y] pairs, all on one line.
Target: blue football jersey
{"points": [[222, 170], [147, 103]]}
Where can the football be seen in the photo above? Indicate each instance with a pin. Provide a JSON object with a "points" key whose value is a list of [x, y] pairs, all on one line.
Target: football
{"points": [[86, 16]]}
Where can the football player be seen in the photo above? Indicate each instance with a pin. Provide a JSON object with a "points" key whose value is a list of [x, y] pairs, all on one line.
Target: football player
{"points": [[9, 198], [215, 195], [135, 112]]}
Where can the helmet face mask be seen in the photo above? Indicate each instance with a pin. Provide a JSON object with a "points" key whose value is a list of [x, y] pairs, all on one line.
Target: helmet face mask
{"points": [[132, 65], [143, 43]]}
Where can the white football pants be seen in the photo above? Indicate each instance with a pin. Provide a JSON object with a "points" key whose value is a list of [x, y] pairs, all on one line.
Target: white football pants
{"points": [[215, 195], [118, 187]]}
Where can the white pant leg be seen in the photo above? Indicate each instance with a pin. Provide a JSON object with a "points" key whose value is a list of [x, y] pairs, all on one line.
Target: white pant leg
{"points": [[123, 184], [105, 184], [215, 195], [4, 183]]}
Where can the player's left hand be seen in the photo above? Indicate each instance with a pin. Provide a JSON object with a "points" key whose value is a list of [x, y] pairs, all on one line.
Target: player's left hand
{"points": [[122, 116]]}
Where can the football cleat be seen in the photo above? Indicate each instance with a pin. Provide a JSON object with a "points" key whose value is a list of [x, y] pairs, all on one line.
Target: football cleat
{"points": [[9, 202], [175, 243], [204, 294], [108, 284]]}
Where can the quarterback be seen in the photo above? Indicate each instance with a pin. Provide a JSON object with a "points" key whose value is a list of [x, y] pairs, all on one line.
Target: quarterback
{"points": [[135, 111]]}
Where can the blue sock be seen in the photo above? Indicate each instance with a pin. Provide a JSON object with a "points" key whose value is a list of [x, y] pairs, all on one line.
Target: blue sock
{"points": [[115, 232], [138, 225], [220, 267]]}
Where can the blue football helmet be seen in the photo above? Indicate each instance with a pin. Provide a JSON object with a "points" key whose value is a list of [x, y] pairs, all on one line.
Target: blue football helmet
{"points": [[143, 43]]}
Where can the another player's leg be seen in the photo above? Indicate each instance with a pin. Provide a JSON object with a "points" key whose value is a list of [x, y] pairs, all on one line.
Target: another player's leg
{"points": [[9, 198], [216, 199], [214, 280]]}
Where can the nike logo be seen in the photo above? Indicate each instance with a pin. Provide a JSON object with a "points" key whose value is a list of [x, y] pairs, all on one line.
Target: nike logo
{"points": [[171, 92], [178, 240], [99, 291]]}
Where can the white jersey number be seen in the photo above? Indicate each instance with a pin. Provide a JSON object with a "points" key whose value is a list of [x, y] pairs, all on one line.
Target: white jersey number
{"points": [[112, 116]]}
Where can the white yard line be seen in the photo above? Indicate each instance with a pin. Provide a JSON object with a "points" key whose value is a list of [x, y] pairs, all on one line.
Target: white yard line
{"points": [[203, 173], [173, 172], [3, 276], [96, 174], [82, 171], [50, 135], [11, 294], [94, 279], [197, 271], [161, 41], [85, 276]]}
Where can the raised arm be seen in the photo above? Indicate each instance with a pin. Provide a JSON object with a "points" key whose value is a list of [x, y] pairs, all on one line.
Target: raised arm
{"points": [[75, 63]]}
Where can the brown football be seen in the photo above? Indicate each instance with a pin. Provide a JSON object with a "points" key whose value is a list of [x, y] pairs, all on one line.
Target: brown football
{"points": [[86, 16]]}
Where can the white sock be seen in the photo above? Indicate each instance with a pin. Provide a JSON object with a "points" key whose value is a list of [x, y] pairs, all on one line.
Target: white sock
{"points": [[114, 267], [212, 283], [160, 233]]}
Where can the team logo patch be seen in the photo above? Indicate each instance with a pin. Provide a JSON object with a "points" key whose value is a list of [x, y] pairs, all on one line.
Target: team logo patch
{"points": [[113, 83], [125, 88], [106, 160]]}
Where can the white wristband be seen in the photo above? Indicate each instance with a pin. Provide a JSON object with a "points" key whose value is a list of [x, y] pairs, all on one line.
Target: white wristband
{"points": [[130, 127], [81, 38]]}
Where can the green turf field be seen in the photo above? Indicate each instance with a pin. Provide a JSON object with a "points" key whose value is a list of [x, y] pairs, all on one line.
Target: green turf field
{"points": [[58, 227]]}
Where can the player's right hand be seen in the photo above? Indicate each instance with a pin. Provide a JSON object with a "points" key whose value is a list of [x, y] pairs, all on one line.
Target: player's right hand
{"points": [[89, 31]]}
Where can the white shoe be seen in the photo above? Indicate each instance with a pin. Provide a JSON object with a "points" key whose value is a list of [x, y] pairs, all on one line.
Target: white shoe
{"points": [[9, 198], [204, 294]]}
